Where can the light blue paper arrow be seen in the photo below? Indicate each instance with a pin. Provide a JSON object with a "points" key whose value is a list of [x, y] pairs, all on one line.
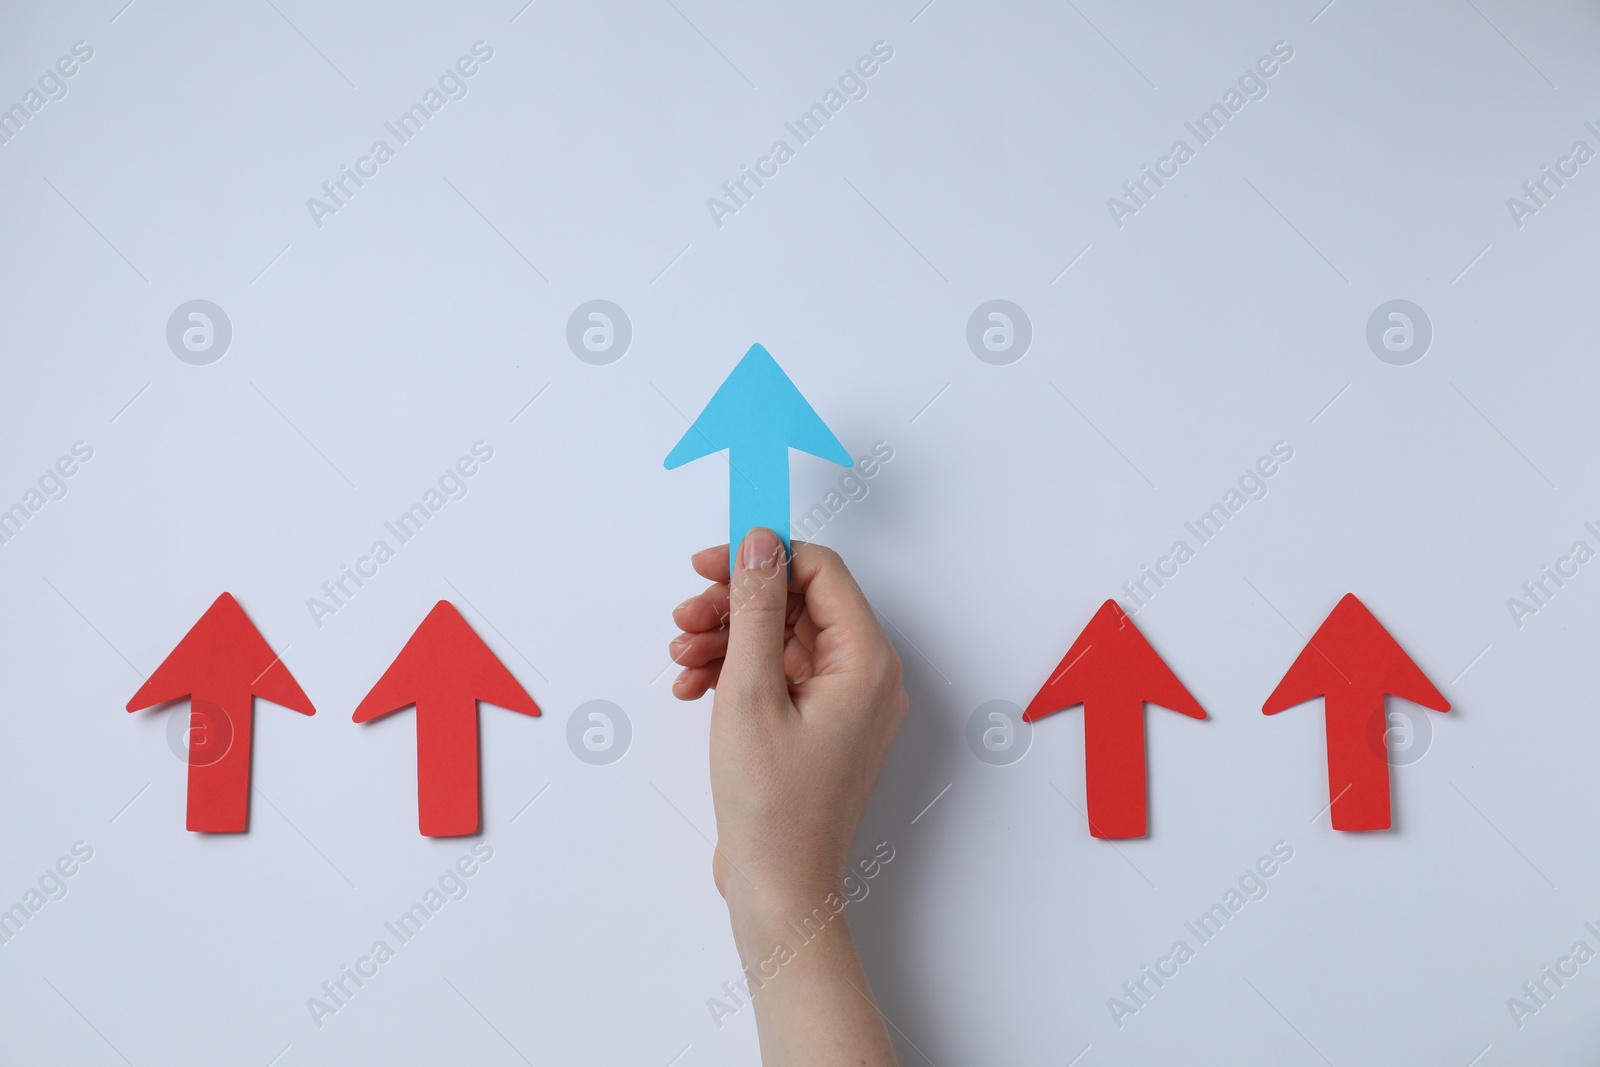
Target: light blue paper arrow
{"points": [[757, 415]]}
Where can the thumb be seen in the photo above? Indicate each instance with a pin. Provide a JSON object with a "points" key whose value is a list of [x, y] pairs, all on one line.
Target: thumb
{"points": [[758, 600]]}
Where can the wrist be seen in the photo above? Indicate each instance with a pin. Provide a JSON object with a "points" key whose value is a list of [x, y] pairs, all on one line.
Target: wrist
{"points": [[766, 922]]}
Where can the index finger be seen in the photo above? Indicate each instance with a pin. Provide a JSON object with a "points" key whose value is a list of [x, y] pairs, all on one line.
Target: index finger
{"points": [[832, 596], [711, 563]]}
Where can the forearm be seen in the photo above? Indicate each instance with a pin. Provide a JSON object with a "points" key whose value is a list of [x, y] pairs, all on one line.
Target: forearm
{"points": [[813, 1005]]}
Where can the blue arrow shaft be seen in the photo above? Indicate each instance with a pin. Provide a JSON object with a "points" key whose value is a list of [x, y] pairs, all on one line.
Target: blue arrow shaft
{"points": [[758, 494]]}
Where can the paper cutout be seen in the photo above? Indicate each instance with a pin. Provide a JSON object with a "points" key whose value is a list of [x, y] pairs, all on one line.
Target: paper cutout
{"points": [[445, 669], [1352, 662], [221, 665], [757, 415], [1113, 672]]}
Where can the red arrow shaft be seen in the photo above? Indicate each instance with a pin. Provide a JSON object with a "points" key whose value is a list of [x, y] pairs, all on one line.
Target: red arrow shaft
{"points": [[447, 766], [220, 729], [1114, 767], [1358, 761]]}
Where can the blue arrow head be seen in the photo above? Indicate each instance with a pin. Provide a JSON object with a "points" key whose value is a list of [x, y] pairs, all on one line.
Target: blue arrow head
{"points": [[757, 415], [757, 408]]}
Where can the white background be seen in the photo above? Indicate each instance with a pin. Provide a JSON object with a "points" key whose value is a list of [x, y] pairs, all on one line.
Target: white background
{"points": [[370, 352]]}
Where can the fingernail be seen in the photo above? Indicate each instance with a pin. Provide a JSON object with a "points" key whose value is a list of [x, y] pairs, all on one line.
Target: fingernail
{"points": [[760, 549], [685, 604]]}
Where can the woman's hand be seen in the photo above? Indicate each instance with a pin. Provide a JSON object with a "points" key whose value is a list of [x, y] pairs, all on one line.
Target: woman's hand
{"points": [[808, 701]]}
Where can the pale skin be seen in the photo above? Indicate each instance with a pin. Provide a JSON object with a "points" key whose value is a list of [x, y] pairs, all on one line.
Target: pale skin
{"points": [[808, 701]]}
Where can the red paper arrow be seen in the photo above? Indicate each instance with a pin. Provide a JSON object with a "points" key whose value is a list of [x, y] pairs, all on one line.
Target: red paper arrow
{"points": [[445, 669], [1113, 672], [1351, 662], [221, 665]]}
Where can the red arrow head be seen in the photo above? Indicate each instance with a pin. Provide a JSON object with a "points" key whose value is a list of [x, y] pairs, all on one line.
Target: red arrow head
{"points": [[1351, 653], [222, 653], [444, 660], [1111, 660]]}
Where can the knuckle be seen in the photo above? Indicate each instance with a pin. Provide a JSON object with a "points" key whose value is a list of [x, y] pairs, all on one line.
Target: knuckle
{"points": [[888, 664], [827, 557], [759, 611]]}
